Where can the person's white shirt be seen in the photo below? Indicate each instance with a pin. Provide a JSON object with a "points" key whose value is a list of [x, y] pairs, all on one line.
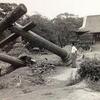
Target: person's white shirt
{"points": [[74, 49]]}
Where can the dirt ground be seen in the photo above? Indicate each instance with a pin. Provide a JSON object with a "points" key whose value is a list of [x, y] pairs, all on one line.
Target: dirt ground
{"points": [[55, 82]]}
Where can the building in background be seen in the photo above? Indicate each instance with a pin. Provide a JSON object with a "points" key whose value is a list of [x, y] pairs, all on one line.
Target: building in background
{"points": [[91, 27], [89, 33]]}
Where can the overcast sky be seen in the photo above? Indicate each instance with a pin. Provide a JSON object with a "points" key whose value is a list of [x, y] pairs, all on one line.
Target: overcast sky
{"points": [[51, 8]]}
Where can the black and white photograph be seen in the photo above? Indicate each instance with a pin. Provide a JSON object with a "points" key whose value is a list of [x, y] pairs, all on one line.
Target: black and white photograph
{"points": [[49, 49]]}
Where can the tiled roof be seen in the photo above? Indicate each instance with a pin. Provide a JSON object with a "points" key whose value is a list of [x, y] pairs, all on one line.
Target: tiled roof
{"points": [[91, 24]]}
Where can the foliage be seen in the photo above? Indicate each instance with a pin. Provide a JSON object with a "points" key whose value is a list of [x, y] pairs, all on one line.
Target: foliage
{"points": [[90, 69], [44, 26], [59, 30], [6, 8]]}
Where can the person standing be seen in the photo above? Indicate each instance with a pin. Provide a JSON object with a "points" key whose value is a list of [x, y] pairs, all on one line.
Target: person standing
{"points": [[74, 55]]}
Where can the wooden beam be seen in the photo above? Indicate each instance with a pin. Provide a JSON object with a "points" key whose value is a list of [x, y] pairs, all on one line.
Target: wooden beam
{"points": [[11, 60], [29, 26], [13, 36]]}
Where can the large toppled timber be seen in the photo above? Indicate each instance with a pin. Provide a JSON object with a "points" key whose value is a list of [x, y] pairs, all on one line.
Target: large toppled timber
{"points": [[33, 37], [30, 36]]}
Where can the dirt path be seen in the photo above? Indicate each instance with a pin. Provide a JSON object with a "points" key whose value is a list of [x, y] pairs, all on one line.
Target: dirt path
{"points": [[55, 89]]}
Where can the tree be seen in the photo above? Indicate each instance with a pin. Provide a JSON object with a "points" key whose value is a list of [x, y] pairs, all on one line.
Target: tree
{"points": [[65, 25], [59, 30], [44, 27]]}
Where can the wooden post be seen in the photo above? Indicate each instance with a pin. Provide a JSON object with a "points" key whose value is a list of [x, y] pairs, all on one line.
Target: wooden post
{"points": [[12, 17]]}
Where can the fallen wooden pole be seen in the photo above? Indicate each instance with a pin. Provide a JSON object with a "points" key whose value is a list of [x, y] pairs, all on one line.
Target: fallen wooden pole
{"points": [[22, 61], [13, 36], [11, 60], [41, 42], [12, 17]]}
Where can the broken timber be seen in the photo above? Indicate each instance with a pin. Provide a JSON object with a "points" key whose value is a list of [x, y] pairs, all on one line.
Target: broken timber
{"points": [[12, 17], [11, 60], [7, 22], [13, 36]]}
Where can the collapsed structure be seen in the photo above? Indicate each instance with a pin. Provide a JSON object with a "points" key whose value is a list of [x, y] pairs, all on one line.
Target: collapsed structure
{"points": [[30, 36]]}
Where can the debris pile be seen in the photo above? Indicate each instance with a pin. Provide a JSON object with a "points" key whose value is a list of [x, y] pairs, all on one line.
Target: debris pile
{"points": [[30, 75], [18, 49]]}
